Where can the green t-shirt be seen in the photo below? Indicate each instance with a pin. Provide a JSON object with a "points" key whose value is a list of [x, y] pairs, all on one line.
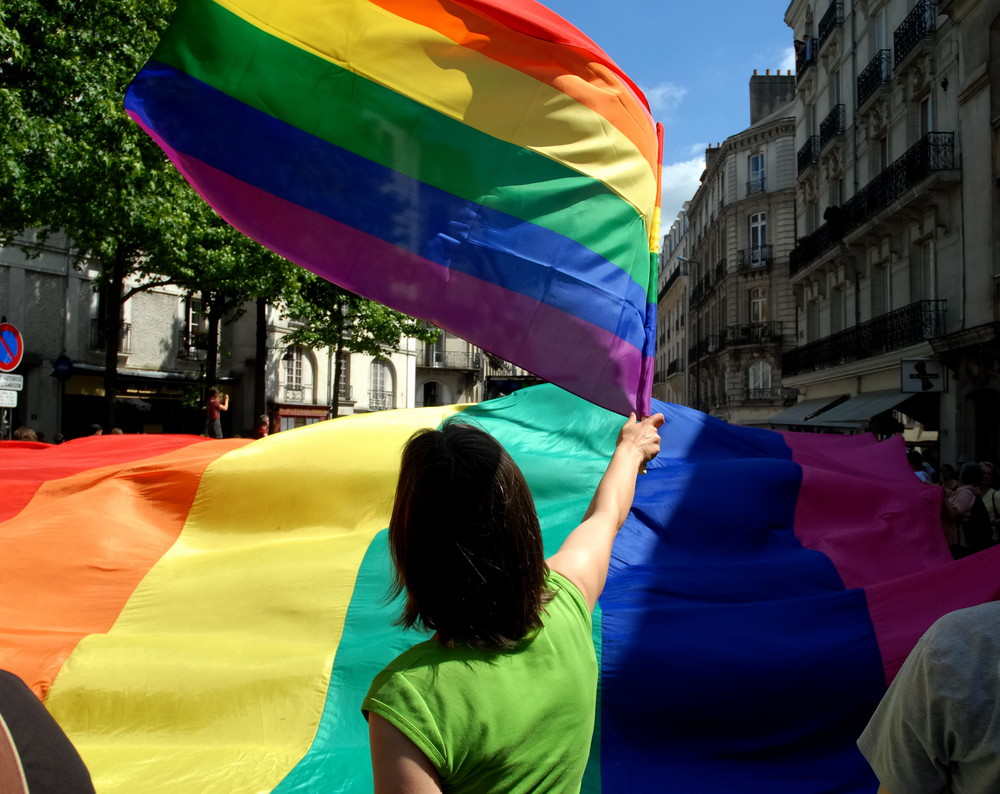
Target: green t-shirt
{"points": [[503, 721]]}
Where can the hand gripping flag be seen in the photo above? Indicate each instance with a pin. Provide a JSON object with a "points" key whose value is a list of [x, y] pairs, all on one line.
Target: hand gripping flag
{"points": [[480, 164], [207, 615]]}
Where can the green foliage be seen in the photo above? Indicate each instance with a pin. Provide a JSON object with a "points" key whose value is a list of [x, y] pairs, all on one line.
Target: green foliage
{"points": [[336, 318], [70, 158]]}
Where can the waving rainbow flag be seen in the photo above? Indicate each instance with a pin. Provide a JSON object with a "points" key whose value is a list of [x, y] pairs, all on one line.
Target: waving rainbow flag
{"points": [[207, 615], [477, 163]]}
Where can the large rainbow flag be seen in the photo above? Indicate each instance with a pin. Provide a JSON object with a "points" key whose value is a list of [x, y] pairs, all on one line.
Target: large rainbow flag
{"points": [[477, 163], [206, 616]]}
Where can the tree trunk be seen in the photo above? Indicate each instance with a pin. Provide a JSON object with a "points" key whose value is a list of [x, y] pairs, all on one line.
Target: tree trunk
{"points": [[113, 334], [260, 365]]}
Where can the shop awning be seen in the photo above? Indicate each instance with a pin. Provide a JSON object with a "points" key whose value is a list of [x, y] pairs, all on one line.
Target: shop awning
{"points": [[801, 413], [860, 409]]}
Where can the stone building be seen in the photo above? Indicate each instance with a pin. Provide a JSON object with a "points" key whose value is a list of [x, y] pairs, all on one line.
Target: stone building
{"points": [[670, 370], [57, 308], [895, 268], [741, 226]]}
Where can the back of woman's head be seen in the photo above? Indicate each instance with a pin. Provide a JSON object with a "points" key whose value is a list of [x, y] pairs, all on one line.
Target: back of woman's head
{"points": [[465, 540]]}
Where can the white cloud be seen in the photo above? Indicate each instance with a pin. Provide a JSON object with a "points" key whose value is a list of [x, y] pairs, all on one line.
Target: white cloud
{"points": [[665, 96], [680, 181], [788, 60]]}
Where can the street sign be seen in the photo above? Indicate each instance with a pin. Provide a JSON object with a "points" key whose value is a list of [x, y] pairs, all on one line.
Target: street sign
{"points": [[11, 382], [8, 399], [11, 347]]}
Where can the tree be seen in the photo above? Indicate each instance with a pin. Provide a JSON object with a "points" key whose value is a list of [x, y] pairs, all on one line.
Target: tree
{"points": [[70, 158], [338, 319]]}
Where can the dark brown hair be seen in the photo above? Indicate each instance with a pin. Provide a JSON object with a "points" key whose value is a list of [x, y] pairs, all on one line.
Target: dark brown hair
{"points": [[465, 540]]}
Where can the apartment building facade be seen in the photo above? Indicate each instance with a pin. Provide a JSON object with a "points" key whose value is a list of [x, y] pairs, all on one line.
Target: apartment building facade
{"points": [[895, 268], [741, 224], [670, 369]]}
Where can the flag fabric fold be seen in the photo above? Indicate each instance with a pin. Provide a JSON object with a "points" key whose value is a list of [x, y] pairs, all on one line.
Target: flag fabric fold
{"points": [[484, 166], [207, 615]]}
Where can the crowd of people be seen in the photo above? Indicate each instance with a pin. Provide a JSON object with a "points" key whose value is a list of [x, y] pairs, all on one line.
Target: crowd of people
{"points": [[970, 514]]}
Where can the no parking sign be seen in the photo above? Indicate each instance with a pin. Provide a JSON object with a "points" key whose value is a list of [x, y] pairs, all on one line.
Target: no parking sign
{"points": [[11, 347]]}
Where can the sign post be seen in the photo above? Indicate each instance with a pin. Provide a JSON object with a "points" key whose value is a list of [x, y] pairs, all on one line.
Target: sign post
{"points": [[11, 353]]}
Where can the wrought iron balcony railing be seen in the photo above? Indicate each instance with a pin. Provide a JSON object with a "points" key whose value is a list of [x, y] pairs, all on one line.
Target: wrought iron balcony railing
{"points": [[883, 334], [758, 185], [381, 400], [759, 395], [754, 258], [832, 19], [450, 359], [97, 336], [673, 367], [918, 25], [753, 333], [804, 59], [831, 126], [875, 75], [809, 153], [934, 152]]}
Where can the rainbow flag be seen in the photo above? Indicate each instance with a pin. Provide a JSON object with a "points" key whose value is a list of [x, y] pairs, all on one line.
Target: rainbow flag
{"points": [[207, 615], [477, 163]]}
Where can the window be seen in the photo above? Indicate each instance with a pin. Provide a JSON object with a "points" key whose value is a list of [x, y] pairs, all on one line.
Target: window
{"points": [[293, 368], [926, 271], [880, 32], [291, 422], [881, 289], [834, 88], [344, 391], [194, 337], [838, 308], [812, 320], [880, 154], [759, 380], [755, 169], [381, 394], [758, 305], [924, 118], [757, 237]]}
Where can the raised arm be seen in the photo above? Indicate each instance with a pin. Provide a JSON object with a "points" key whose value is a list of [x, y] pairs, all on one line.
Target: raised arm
{"points": [[224, 403], [585, 555]]}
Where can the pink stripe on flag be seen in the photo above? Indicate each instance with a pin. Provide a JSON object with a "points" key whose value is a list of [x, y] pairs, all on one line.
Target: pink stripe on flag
{"points": [[845, 511]]}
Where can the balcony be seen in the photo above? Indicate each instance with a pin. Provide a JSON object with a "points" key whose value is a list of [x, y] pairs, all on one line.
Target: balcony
{"points": [[832, 126], [755, 258], [762, 395], [876, 74], [805, 59], [673, 367], [753, 334], [97, 337], [883, 334], [919, 24], [381, 400], [809, 153], [193, 346], [933, 153], [831, 20], [758, 185], [450, 359]]}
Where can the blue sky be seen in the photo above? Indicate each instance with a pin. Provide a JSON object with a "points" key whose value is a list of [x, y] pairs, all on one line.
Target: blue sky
{"points": [[693, 59]]}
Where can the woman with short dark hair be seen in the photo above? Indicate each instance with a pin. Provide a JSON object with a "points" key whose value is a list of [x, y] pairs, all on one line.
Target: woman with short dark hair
{"points": [[502, 697]]}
